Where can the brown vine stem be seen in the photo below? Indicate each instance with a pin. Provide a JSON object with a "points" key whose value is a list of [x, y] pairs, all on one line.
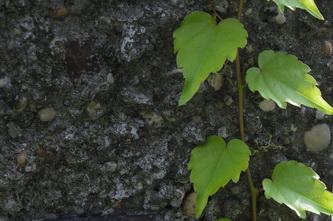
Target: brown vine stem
{"points": [[212, 8], [240, 84]]}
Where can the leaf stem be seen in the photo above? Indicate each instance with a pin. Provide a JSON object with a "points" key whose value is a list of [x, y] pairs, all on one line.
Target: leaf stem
{"points": [[240, 9], [240, 85], [212, 8]]}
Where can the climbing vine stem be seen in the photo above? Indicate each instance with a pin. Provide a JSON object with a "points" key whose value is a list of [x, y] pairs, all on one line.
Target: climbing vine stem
{"points": [[240, 84], [215, 42]]}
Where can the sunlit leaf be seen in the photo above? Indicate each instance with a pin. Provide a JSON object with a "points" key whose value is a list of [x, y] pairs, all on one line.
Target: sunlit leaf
{"points": [[202, 47], [299, 187], [214, 164], [285, 79], [308, 5]]}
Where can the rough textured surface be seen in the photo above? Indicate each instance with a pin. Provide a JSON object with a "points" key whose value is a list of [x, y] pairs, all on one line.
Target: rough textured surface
{"points": [[118, 143]]}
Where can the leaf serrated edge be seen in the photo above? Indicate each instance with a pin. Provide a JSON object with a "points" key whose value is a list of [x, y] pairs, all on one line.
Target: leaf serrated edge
{"points": [[235, 179]]}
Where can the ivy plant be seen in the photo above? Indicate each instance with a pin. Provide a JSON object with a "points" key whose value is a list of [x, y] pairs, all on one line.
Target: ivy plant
{"points": [[306, 193], [214, 164], [284, 79], [202, 46], [308, 5]]}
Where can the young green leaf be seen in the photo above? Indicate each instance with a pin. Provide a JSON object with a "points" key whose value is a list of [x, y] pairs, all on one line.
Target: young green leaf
{"points": [[202, 47], [298, 187], [214, 164], [308, 5], [283, 78]]}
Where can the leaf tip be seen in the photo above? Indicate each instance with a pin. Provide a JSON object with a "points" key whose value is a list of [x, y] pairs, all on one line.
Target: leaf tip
{"points": [[320, 17], [202, 201], [182, 101]]}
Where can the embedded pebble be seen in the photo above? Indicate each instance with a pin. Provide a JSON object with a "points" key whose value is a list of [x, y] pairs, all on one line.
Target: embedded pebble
{"points": [[293, 128], [133, 95], [5, 82], [110, 78], [178, 197], [221, 6], [222, 132], [61, 12], [267, 105], [22, 104], [215, 81], [189, 204], [11, 205], [318, 138], [152, 118], [280, 19], [228, 100], [249, 48], [235, 190], [30, 168], [47, 114], [193, 134], [95, 110], [327, 49], [111, 166], [22, 159], [14, 130], [249, 12]]}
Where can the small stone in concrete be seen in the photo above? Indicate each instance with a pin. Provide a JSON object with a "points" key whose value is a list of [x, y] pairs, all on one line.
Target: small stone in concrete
{"points": [[318, 138], [14, 130], [228, 100], [280, 19], [267, 105], [327, 49], [110, 78], [189, 204], [221, 6], [11, 206], [95, 110], [5, 82], [248, 12], [215, 81], [22, 159], [61, 12], [134, 96], [22, 104], [47, 114], [152, 118], [111, 166]]}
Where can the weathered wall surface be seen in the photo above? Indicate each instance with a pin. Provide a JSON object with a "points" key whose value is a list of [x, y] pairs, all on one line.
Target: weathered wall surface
{"points": [[89, 123]]}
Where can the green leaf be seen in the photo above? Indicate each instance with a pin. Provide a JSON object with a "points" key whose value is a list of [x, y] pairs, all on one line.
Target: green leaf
{"points": [[283, 78], [214, 164], [308, 5], [223, 219], [202, 47], [299, 187]]}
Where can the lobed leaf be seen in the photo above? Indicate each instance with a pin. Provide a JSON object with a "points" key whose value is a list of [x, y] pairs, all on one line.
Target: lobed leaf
{"points": [[308, 5], [284, 79], [213, 164], [202, 47], [298, 187]]}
